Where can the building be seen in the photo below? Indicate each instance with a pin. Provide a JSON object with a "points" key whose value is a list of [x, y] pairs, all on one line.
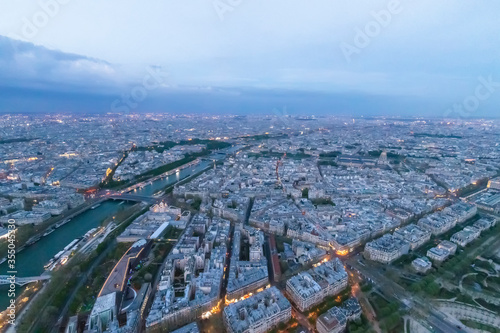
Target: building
{"points": [[54, 207], [258, 313], [247, 276], [190, 283], [74, 200], [414, 235], [421, 265], [438, 254], [103, 313], [464, 237], [494, 183], [26, 217], [356, 161], [386, 249], [309, 288], [335, 319], [449, 246], [352, 308], [153, 224], [189, 328], [446, 219]]}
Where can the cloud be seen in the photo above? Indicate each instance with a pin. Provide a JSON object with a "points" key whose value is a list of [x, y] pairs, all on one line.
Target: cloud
{"points": [[25, 65], [263, 55]]}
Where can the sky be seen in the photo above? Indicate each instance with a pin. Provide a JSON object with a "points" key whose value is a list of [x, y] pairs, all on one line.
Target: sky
{"points": [[439, 58]]}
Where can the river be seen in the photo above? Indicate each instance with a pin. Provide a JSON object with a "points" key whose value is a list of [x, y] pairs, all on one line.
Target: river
{"points": [[161, 183], [30, 262]]}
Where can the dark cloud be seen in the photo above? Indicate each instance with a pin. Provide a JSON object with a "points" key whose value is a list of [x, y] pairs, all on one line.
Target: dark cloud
{"points": [[37, 79]]}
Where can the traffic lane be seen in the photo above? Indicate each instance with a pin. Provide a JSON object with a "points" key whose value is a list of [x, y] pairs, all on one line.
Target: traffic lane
{"points": [[443, 326]]}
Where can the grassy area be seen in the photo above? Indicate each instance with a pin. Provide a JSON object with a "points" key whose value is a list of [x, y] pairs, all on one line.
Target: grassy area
{"points": [[170, 166], [380, 305], [260, 137], [172, 232], [360, 326], [323, 201], [330, 154], [478, 326], [427, 286], [465, 299], [447, 294], [327, 162], [280, 240], [329, 302], [461, 262], [489, 306], [45, 309], [485, 265], [165, 145], [86, 296], [265, 153], [150, 269], [472, 281], [388, 313]]}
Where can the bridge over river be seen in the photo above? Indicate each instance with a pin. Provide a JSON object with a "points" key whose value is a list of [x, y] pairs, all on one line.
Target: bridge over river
{"points": [[21, 281]]}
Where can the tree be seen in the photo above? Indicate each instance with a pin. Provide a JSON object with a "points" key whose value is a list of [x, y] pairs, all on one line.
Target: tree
{"points": [[305, 193], [432, 288]]}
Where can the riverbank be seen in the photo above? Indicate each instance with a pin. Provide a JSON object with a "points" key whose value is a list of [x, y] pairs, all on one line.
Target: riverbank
{"points": [[30, 262]]}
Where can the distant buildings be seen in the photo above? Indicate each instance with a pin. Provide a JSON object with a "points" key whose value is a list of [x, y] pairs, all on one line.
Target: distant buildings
{"points": [[446, 219], [386, 249], [154, 223], [258, 313], [494, 183], [26, 217], [414, 235], [6, 206], [309, 288], [356, 161], [52, 206], [490, 200]]}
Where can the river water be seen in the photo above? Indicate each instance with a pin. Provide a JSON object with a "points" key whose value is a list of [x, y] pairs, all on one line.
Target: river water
{"points": [[30, 262]]}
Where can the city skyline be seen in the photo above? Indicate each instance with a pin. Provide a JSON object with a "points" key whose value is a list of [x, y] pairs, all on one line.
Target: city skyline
{"points": [[237, 166]]}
